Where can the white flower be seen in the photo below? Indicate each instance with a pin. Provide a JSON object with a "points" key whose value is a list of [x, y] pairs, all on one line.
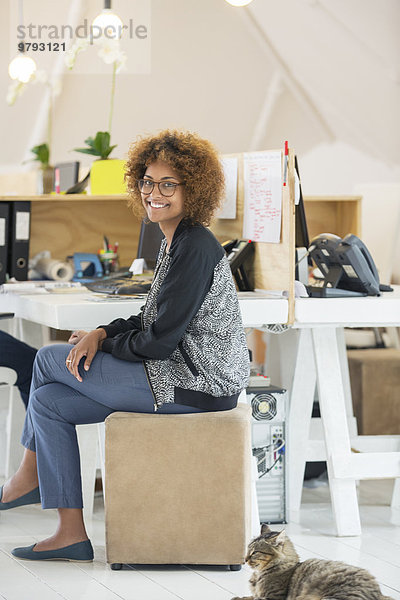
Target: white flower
{"points": [[69, 60], [15, 89], [71, 54], [121, 62], [109, 51]]}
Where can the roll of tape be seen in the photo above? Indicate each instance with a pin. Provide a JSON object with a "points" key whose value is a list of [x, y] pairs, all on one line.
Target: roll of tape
{"points": [[55, 269]]}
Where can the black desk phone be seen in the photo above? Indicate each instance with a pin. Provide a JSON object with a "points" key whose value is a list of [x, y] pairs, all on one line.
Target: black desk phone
{"points": [[346, 265], [240, 254]]}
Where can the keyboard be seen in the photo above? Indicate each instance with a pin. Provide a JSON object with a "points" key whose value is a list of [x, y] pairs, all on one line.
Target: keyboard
{"points": [[121, 286]]}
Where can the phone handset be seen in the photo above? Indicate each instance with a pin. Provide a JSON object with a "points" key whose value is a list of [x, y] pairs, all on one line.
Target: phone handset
{"points": [[355, 256], [240, 254], [345, 263], [352, 239]]}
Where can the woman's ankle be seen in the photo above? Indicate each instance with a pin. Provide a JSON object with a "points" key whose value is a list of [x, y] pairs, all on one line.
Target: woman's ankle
{"points": [[16, 487]]}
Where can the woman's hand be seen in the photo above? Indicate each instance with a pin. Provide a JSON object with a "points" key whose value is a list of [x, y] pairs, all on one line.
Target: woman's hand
{"points": [[87, 346], [76, 336]]}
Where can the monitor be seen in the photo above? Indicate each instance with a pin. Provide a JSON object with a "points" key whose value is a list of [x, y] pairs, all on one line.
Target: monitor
{"points": [[301, 230], [69, 175], [149, 243]]}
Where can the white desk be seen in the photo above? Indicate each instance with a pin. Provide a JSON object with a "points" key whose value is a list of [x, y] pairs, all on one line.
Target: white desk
{"points": [[320, 359], [80, 311], [369, 311]]}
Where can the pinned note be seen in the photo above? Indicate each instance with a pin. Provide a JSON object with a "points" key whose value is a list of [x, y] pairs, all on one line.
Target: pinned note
{"points": [[230, 166], [263, 196]]}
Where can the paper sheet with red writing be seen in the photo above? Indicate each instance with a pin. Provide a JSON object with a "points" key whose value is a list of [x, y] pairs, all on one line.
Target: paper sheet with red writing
{"points": [[262, 196]]}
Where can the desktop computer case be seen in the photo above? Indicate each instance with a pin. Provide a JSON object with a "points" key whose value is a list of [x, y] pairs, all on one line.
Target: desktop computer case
{"points": [[269, 408]]}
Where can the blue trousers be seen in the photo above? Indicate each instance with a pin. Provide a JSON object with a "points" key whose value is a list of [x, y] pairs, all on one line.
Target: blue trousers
{"points": [[18, 356], [58, 402]]}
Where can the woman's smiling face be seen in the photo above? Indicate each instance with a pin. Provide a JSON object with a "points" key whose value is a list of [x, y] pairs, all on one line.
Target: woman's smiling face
{"points": [[166, 210]]}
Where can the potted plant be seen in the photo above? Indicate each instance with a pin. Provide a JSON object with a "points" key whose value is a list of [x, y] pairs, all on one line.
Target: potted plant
{"points": [[45, 180], [106, 175]]}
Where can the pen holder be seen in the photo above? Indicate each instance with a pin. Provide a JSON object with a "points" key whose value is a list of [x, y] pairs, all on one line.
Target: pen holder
{"points": [[109, 261]]}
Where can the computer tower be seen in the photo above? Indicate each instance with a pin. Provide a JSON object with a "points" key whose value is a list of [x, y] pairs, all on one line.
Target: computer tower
{"points": [[269, 406]]}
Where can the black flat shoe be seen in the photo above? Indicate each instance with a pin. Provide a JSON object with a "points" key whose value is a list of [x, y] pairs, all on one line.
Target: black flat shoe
{"points": [[79, 552]]}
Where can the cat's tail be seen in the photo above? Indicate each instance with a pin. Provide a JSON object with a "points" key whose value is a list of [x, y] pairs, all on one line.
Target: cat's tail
{"points": [[332, 598]]}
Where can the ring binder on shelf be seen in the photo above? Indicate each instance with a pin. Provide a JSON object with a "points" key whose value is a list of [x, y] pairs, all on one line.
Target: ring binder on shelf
{"points": [[4, 213], [19, 230]]}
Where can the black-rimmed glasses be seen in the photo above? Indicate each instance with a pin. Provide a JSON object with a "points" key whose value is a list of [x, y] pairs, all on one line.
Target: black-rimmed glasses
{"points": [[166, 188]]}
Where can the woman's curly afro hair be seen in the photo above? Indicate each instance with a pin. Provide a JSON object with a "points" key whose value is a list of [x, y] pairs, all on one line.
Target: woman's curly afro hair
{"points": [[195, 160]]}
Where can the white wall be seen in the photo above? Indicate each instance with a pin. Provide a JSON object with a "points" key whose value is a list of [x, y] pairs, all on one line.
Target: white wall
{"points": [[337, 167], [212, 70]]}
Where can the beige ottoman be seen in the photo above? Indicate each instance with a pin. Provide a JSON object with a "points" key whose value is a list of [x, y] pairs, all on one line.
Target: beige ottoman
{"points": [[177, 488], [375, 389]]}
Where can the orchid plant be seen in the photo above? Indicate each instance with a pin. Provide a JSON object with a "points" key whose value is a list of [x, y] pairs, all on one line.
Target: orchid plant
{"points": [[110, 52]]}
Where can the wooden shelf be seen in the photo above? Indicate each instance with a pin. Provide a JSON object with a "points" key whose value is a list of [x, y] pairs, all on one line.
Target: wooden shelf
{"points": [[68, 223], [65, 198], [333, 214]]}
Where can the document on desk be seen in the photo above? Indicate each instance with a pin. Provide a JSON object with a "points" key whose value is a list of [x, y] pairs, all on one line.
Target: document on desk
{"points": [[114, 297], [41, 287], [262, 196], [262, 294], [230, 166]]}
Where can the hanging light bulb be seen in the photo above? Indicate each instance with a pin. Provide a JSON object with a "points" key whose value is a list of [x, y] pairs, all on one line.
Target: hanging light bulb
{"points": [[239, 2], [22, 68], [108, 22]]}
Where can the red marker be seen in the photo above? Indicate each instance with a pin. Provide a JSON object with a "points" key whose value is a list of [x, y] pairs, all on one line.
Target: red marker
{"points": [[57, 180], [286, 163]]}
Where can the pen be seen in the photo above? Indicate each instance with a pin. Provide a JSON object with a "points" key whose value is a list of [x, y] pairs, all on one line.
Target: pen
{"points": [[106, 243], [286, 163], [57, 180]]}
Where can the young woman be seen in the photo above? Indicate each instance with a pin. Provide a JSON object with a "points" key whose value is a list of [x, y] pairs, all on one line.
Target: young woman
{"points": [[185, 352]]}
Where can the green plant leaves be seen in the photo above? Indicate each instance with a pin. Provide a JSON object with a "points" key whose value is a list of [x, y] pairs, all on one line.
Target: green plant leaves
{"points": [[42, 154], [98, 146]]}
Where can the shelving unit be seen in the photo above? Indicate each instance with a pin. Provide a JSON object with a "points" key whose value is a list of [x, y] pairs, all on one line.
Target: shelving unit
{"points": [[333, 214], [76, 223]]}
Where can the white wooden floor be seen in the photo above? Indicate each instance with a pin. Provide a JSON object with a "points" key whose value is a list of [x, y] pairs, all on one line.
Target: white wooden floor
{"points": [[378, 549]]}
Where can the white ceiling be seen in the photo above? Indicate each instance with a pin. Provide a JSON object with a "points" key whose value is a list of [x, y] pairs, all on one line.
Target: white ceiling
{"points": [[344, 55]]}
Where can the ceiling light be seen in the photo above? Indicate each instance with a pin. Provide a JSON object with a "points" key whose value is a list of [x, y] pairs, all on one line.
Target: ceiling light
{"points": [[239, 2], [108, 22], [22, 68]]}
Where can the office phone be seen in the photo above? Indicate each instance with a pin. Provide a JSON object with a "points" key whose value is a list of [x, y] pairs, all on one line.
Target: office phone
{"points": [[240, 254], [346, 265]]}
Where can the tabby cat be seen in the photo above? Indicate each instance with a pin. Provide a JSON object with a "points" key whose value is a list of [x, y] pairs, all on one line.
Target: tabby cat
{"points": [[279, 575]]}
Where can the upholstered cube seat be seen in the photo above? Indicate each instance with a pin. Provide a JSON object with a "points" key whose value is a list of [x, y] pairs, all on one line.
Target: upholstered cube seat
{"points": [[375, 389], [178, 488]]}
